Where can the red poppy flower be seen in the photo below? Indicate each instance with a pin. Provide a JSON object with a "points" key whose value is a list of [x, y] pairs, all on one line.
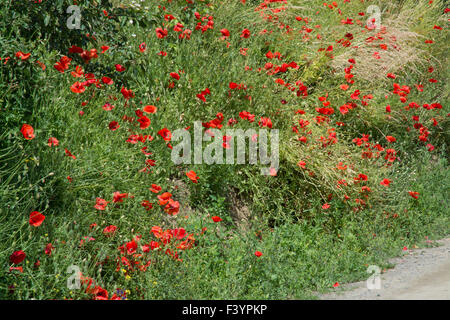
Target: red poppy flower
{"points": [[355, 95], [414, 194], [101, 294], [164, 198], [178, 27], [63, 64], [119, 68], [247, 115], [336, 285], [147, 204], [107, 80], [245, 33], [265, 122], [385, 182], [77, 87], [52, 142], [157, 231], [142, 47], [144, 122], [216, 219], [113, 125], [178, 233], [43, 67], [36, 218], [104, 48], [175, 75], [325, 206], [27, 131], [78, 72], [193, 176], [48, 249], [131, 246], [17, 257], [161, 33], [343, 109], [75, 49], [23, 56], [109, 230], [302, 164], [172, 207], [390, 139], [118, 197], [165, 134], [225, 33], [150, 109], [87, 55], [155, 188], [100, 204], [258, 253], [127, 93], [69, 154], [362, 177], [20, 269], [234, 85], [108, 107], [201, 97]]}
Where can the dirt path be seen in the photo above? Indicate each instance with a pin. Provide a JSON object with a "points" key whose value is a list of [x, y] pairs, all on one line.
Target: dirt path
{"points": [[421, 274]]}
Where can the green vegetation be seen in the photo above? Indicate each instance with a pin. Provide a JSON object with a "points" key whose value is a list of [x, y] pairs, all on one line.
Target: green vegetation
{"points": [[316, 223]]}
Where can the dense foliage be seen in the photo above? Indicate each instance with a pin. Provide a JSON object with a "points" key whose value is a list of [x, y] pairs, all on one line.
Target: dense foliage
{"points": [[86, 117]]}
